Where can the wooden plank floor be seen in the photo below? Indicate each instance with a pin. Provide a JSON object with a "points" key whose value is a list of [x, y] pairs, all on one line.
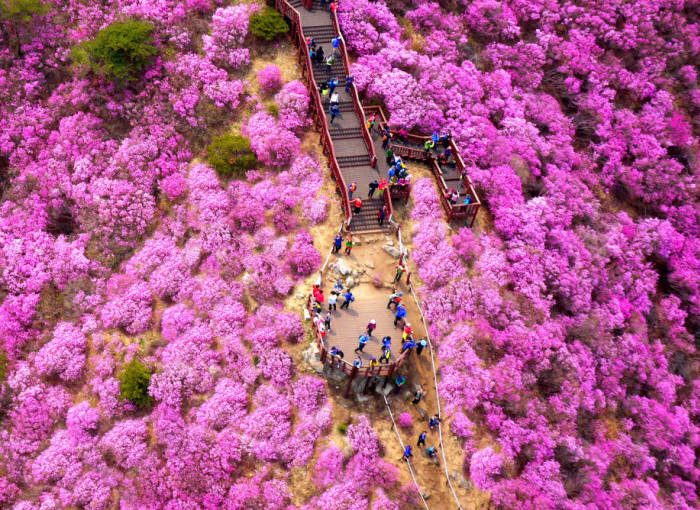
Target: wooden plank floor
{"points": [[348, 325]]}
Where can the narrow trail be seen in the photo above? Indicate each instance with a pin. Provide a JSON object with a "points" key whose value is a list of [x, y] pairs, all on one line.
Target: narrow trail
{"points": [[351, 152]]}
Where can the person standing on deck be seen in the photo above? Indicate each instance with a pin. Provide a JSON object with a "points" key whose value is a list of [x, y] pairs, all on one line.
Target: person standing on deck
{"points": [[349, 80], [371, 327], [400, 314], [394, 299], [335, 42], [385, 356], [389, 156], [335, 99], [386, 343], [386, 135], [334, 7], [364, 338], [429, 144], [320, 57], [357, 363], [327, 320], [349, 298], [381, 215], [332, 300], [372, 188], [351, 189], [337, 243], [383, 184]]}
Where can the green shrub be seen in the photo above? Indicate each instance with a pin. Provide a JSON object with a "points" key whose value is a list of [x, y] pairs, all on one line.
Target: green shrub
{"points": [[343, 427], [133, 383], [231, 154], [120, 51], [273, 109], [268, 24], [22, 10]]}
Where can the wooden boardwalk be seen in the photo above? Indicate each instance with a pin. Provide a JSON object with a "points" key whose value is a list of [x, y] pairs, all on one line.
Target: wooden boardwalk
{"points": [[348, 325]]}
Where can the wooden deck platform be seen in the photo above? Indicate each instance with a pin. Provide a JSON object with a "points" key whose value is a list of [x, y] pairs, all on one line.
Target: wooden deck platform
{"points": [[348, 325]]}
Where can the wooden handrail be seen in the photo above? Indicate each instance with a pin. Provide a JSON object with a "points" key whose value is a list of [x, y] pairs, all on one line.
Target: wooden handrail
{"points": [[359, 111]]}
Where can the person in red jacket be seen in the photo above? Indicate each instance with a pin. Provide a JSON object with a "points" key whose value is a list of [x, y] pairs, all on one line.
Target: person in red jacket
{"points": [[356, 205]]}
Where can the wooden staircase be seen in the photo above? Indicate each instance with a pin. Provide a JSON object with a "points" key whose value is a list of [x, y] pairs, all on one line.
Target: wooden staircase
{"points": [[366, 219]]}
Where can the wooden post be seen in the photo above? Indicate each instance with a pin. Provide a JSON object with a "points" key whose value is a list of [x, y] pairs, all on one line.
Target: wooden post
{"points": [[388, 376], [408, 279], [353, 373]]}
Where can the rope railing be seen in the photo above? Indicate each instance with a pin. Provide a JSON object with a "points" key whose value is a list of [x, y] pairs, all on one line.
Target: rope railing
{"points": [[437, 395], [408, 462]]}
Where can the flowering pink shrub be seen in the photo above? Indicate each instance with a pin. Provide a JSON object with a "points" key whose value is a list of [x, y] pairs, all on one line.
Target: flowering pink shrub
{"points": [[270, 79], [405, 420], [293, 105], [273, 144], [64, 355]]}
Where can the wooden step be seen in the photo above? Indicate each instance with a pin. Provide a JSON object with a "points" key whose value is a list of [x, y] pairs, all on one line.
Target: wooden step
{"points": [[348, 161], [366, 220], [344, 134]]}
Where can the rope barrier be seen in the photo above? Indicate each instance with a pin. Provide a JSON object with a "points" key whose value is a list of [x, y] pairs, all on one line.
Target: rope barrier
{"points": [[437, 396], [403, 448]]}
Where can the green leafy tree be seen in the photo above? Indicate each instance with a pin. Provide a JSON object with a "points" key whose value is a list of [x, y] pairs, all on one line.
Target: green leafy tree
{"points": [[14, 13], [133, 383], [119, 52], [231, 155], [268, 24]]}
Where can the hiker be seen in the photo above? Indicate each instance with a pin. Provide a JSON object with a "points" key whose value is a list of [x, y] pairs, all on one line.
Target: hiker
{"points": [[335, 99], [371, 327], [309, 41], [400, 269], [372, 188], [407, 331], [329, 63], [422, 344], [399, 381], [317, 308], [421, 439], [386, 137], [335, 42], [407, 453], [381, 215], [338, 287], [332, 84], [403, 133], [351, 189], [467, 200], [455, 197], [417, 396], [400, 314], [356, 205], [432, 452], [391, 173], [323, 88], [357, 363], [371, 121], [435, 137], [386, 354], [332, 300], [334, 111], [383, 185], [327, 319], [389, 156], [429, 144], [322, 330], [445, 139], [386, 342], [394, 299], [364, 338], [433, 422], [442, 158], [320, 57], [337, 243], [318, 294], [349, 298], [407, 346], [312, 54], [333, 7], [348, 245], [373, 363], [349, 80]]}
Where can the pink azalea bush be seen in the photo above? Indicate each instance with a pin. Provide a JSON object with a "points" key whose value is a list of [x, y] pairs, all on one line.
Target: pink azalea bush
{"points": [[270, 79], [563, 320]]}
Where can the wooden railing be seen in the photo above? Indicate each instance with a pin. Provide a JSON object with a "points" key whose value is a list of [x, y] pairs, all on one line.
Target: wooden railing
{"points": [[454, 211], [383, 370], [359, 111], [297, 35]]}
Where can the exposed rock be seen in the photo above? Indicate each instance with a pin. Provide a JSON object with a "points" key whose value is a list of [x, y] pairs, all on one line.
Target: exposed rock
{"points": [[342, 267], [370, 265], [388, 240], [350, 282], [391, 251]]}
